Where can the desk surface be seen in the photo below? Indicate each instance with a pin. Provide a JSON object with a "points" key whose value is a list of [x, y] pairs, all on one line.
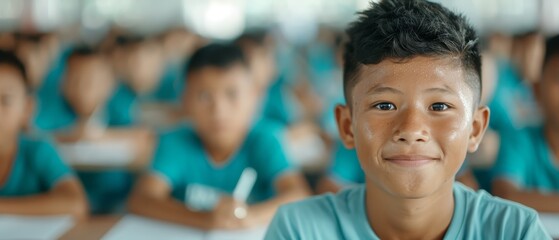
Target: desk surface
{"points": [[93, 228]]}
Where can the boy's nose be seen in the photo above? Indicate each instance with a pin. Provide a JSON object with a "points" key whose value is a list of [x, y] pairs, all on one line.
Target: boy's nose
{"points": [[411, 128]]}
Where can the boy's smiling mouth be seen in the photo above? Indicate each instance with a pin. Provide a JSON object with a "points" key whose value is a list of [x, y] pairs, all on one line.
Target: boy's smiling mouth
{"points": [[410, 160]]}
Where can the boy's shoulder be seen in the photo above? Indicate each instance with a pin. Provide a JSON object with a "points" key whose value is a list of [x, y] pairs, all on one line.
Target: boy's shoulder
{"points": [[483, 215], [334, 216]]}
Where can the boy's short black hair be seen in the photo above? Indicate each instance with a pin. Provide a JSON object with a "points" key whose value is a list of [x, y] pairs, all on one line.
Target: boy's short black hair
{"points": [[10, 58], [403, 29], [255, 37], [218, 55], [551, 49], [82, 51]]}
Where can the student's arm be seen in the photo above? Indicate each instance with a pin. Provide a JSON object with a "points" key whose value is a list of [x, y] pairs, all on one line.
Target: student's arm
{"points": [[152, 198], [289, 187], [66, 197], [540, 202]]}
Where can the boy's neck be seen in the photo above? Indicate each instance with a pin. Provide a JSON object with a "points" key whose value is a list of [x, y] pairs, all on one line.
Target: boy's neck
{"points": [[8, 149], [392, 217], [221, 153]]}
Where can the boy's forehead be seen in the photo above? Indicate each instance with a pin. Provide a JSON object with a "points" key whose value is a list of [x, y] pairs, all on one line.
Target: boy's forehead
{"points": [[411, 70], [221, 76], [420, 72]]}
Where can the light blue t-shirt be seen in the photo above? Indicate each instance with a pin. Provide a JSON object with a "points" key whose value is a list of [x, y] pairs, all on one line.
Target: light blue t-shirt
{"points": [[183, 162], [477, 215], [527, 161], [37, 169]]}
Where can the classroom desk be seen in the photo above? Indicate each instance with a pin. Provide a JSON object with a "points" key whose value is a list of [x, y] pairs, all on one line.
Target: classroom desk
{"points": [[93, 228]]}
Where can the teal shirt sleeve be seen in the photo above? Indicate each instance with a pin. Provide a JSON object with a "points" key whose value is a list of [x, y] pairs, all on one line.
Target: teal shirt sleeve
{"points": [[345, 167], [268, 156], [49, 165], [535, 230], [165, 163], [512, 158], [280, 228]]}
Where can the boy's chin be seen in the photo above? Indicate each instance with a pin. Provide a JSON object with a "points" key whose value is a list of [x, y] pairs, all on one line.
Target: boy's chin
{"points": [[414, 189]]}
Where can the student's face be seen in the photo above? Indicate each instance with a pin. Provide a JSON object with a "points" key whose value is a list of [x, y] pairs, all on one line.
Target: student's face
{"points": [[546, 92], [262, 63], [220, 103], [36, 60], [412, 124], [14, 102], [144, 67], [88, 84]]}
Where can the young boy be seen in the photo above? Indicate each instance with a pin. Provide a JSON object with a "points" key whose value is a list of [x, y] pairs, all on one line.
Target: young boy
{"points": [[33, 178], [526, 169], [80, 114], [412, 88], [197, 167]]}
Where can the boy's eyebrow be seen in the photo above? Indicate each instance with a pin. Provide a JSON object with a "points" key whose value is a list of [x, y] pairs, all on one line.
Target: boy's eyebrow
{"points": [[378, 89], [446, 89]]}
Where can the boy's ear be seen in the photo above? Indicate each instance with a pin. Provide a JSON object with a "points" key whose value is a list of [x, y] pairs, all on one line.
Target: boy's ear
{"points": [[479, 126], [343, 118]]}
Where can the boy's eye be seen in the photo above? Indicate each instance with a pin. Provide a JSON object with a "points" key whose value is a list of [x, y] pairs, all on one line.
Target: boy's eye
{"points": [[439, 106], [385, 106]]}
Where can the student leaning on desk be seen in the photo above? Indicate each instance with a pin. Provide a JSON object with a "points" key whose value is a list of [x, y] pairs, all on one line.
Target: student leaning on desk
{"points": [[197, 168], [33, 178]]}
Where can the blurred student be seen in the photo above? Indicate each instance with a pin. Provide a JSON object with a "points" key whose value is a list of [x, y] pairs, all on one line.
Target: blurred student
{"points": [[412, 87], [33, 178], [197, 167], [81, 115], [526, 170], [140, 67]]}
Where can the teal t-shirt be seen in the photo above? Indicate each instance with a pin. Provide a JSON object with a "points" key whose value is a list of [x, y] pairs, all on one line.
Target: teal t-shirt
{"points": [[477, 215], [345, 168], [527, 161], [182, 161], [37, 169]]}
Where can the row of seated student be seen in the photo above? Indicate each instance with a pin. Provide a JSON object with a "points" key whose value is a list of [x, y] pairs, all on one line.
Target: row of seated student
{"points": [[223, 134]]}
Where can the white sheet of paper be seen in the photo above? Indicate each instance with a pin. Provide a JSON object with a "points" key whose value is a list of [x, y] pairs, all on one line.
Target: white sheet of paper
{"points": [[117, 153], [249, 234], [139, 228], [34, 227], [551, 223]]}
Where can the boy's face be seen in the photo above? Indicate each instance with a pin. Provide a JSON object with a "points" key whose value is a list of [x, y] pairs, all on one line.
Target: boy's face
{"points": [[36, 59], [88, 84], [546, 92], [262, 63], [14, 102], [221, 103], [144, 67], [412, 124]]}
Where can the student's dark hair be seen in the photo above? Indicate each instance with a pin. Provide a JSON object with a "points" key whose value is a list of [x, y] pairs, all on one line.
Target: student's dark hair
{"points": [[256, 37], [218, 55], [402, 29], [82, 51], [10, 58], [551, 49]]}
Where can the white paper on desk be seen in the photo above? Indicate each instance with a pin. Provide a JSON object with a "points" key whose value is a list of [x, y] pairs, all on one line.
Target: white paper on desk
{"points": [[34, 227], [116, 153], [249, 234], [551, 223], [138, 228]]}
